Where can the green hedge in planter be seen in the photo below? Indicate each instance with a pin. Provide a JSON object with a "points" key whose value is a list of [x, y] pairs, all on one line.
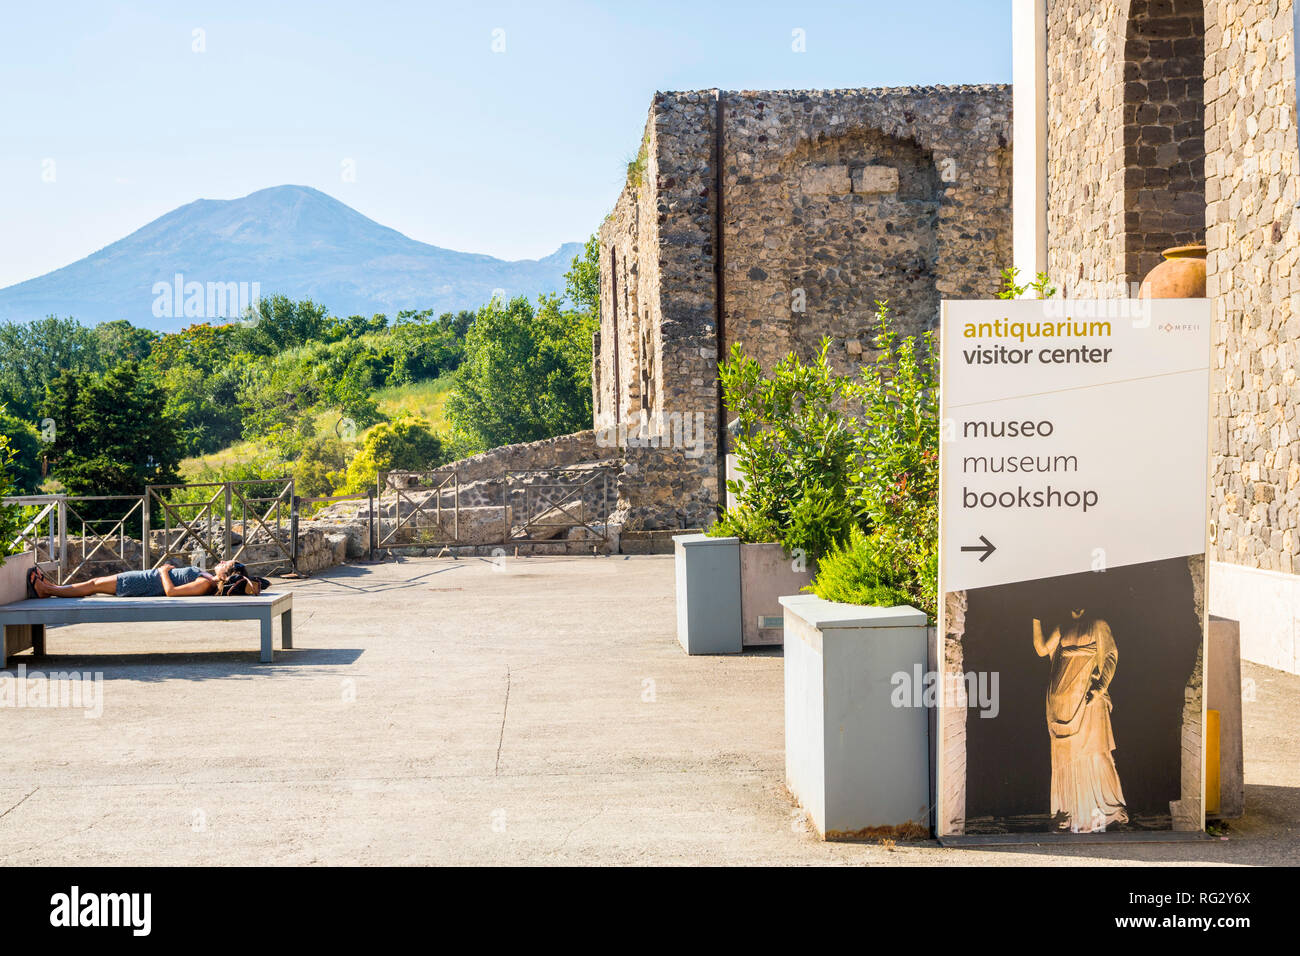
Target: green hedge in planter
{"points": [[898, 471], [843, 469], [867, 569], [796, 448]]}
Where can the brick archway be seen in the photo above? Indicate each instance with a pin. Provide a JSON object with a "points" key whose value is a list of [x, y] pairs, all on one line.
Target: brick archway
{"points": [[1164, 130]]}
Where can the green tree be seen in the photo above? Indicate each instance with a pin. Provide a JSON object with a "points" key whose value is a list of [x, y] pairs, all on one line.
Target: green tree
{"points": [[113, 432], [280, 324], [25, 445], [281, 398], [202, 369], [407, 444], [526, 374], [11, 521], [204, 347], [582, 281], [419, 347], [32, 354], [120, 341], [205, 406]]}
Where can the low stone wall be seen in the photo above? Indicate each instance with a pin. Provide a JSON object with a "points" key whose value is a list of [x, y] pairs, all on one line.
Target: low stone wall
{"points": [[559, 452]]}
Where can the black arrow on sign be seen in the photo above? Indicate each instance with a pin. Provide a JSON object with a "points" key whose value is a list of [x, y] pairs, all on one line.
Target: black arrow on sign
{"points": [[987, 547]]}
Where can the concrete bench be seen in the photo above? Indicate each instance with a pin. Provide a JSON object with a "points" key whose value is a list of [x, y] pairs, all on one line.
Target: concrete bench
{"points": [[25, 621]]}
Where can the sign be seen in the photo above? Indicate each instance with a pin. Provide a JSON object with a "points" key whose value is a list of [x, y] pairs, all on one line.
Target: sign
{"points": [[1073, 502]]}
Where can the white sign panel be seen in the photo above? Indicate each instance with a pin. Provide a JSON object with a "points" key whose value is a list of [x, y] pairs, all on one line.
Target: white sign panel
{"points": [[1072, 441], [1073, 507]]}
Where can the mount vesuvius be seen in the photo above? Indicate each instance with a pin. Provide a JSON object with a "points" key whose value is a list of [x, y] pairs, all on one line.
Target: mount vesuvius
{"points": [[293, 240]]}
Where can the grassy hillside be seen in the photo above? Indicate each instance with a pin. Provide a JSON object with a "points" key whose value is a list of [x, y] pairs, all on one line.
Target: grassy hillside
{"points": [[421, 400]]}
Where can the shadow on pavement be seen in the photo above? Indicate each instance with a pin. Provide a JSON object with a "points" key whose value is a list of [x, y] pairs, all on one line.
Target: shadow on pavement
{"points": [[150, 667]]}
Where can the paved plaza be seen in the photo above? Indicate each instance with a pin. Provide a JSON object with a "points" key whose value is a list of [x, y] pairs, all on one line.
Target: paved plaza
{"points": [[470, 712]]}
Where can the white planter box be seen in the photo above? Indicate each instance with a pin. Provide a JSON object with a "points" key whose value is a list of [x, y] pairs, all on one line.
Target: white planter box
{"points": [[13, 577], [708, 593], [857, 762], [13, 587], [767, 574]]}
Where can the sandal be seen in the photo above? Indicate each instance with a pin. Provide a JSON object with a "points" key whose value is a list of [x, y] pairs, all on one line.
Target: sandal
{"points": [[32, 574]]}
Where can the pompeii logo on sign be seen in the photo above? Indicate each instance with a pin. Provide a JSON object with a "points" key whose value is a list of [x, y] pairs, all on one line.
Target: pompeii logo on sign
{"points": [[1073, 504]]}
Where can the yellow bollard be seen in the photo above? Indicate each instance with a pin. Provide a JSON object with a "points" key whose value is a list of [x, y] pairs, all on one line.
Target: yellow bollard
{"points": [[1211, 761]]}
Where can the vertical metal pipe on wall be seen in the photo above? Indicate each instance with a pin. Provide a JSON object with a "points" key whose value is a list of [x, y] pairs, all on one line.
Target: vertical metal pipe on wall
{"points": [[719, 292], [293, 530], [145, 529], [226, 541]]}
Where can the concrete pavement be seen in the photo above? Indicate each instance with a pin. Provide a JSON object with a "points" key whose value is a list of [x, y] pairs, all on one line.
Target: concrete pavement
{"points": [[440, 711]]}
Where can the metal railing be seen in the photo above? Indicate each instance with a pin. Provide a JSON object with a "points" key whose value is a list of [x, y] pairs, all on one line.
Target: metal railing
{"points": [[61, 517], [211, 528], [227, 520], [300, 503], [205, 527], [51, 512], [542, 505], [422, 522]]}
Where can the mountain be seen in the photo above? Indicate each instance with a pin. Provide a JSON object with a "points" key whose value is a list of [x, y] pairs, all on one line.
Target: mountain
{"points": [[287, 239]]}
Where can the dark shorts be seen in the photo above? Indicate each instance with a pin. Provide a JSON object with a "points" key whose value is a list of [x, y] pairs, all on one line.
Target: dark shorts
{"points": [[140, 584]]}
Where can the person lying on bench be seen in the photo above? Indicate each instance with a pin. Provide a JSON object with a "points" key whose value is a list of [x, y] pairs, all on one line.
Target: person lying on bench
{"points": [[227, 578]]}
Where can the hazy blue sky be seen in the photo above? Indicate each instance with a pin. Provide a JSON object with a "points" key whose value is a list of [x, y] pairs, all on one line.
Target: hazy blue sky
{"points": [[505, 153]]}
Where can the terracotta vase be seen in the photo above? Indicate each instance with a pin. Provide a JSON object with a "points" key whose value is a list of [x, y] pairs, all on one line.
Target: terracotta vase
{"points": [[1180, 276]]}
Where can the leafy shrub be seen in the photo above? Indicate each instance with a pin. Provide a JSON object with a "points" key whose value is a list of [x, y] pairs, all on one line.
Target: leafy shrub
{"points": [[844, 468], [898, 452], [321, 467], [745, 524], [407, 444], [863, 571], [1041, 285], [10, 515], [796, 448]]}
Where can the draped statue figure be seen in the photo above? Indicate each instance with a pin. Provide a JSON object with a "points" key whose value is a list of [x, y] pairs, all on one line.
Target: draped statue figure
{"points": [[1086, 794]]}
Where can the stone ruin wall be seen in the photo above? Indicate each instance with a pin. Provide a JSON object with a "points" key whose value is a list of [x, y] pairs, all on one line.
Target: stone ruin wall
{"points": [[1085, 153], [831, 200], [655, 355], [1253, 275], [1126, 151], [1126, 81], [835, 199]]}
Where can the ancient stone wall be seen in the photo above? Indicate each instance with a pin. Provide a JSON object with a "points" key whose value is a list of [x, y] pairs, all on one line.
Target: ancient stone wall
{"points": [[1164, 134], [1126, 152], [1168, 114], [559, 452], [1253, 276], [1085, 149], [835, 199], [830, 200], [656, 351]]}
